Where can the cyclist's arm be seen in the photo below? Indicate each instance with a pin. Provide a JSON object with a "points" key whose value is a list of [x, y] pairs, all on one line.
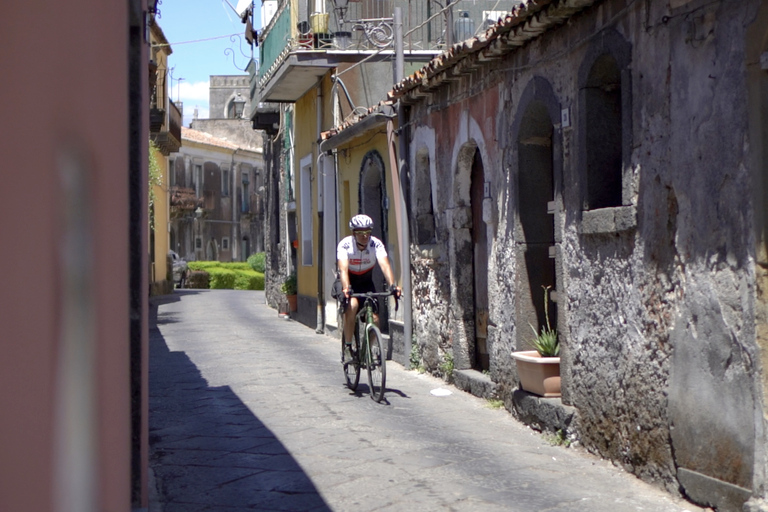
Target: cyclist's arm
{"points": [[386, 269], [343, 265]]}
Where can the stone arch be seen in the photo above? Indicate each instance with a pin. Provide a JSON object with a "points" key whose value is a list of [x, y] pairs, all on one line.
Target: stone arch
{"points": [[537, 183], [372, 193], [424, 225], [468, 147], [373, 201]]}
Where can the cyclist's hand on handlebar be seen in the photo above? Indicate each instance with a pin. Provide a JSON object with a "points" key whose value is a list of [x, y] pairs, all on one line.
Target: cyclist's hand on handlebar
{"points": [[348, 292], [395, 290]]}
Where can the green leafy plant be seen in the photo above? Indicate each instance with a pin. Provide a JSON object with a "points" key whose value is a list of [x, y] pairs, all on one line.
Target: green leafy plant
{"points": [[495, 403], [257, 261], [447, 365], [228, 275], [545, 340], [155, 180], [558, 438], [290, 285], [415, 358]]}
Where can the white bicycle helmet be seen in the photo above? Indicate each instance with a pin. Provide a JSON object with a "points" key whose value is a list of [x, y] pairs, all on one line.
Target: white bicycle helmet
{"points": [[360, 222]]}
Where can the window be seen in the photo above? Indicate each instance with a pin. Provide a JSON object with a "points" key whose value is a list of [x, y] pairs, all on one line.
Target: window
{"points": [[198, 243], [605, 125], [198, 179], [604, 134], [225, 182], [225, 243], [422, 186], [246, 198]]}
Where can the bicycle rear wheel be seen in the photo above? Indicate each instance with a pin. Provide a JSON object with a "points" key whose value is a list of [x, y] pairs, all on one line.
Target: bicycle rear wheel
{"points": [[377, 364], [350, 361]]}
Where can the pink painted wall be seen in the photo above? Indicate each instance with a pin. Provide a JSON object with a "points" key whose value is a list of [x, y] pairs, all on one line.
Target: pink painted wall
{"points": [[64, 310]]}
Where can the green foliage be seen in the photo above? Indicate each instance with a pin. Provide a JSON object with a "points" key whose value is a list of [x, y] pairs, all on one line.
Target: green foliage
{"points": [[257, 261], [559, 438], [155, 179], [545, 340], [495, 403], [415, 358], [228, 276], [222, 278], [249, 280], [290, 285], [447, 365]]}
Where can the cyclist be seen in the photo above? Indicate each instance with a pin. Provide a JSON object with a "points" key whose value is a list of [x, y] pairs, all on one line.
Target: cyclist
{"points": [[356, 256]]}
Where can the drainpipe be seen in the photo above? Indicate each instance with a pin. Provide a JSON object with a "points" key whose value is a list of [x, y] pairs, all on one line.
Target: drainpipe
{"points": [[400, 178], [234, 246], [320, 329]]}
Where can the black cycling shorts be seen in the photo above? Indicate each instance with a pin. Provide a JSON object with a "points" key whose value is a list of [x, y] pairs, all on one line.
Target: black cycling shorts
{"points": [[362, 283]]}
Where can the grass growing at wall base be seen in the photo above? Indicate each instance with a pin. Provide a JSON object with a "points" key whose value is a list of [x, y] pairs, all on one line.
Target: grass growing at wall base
{"points": [[229, 276]]}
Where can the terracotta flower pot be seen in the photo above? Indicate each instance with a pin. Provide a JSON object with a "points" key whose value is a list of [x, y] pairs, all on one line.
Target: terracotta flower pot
{"points": [[538, 375], [293, 302]]}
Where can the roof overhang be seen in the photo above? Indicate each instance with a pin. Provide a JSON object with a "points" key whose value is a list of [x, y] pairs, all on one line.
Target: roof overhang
{"points": [[301, 70], [370, 122]]}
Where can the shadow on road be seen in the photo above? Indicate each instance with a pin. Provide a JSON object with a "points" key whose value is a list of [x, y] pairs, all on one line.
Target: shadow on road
{"points": [[208, 451]]}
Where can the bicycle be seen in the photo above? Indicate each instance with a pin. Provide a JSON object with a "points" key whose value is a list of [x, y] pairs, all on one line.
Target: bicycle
{"points": [[370, 353]]}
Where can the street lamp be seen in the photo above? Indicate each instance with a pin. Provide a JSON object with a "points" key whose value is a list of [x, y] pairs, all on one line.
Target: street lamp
{"points": [[239, 104], [341, 8]]}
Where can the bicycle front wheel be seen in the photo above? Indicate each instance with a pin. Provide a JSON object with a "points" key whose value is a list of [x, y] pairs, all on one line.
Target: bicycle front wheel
{"points": [[350, 362], [376, 364]]}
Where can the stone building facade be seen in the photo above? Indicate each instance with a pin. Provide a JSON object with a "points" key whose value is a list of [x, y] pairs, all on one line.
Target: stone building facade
{"points": [[612, 151], [217, 205]]}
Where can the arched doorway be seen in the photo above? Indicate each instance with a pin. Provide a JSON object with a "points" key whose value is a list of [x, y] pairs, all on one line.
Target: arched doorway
{"points": [[536, 190], [479, 262], [373, 201]]}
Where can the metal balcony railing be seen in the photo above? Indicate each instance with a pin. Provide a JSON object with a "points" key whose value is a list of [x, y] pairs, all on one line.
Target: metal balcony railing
{"points": [[367, 26]]}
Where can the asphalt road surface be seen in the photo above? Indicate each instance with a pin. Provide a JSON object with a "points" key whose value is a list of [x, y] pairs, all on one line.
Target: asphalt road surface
{"points": [[249, 411]]}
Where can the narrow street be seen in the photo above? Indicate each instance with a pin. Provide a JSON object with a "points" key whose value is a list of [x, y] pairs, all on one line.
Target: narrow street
{"points": [[249, 412]]}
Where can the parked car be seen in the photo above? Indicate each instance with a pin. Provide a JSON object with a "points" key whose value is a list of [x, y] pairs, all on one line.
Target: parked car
{"points": [[180, 269]]}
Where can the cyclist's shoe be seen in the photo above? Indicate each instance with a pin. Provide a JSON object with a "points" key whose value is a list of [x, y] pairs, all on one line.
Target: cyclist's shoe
{"points": [[350, 355]]}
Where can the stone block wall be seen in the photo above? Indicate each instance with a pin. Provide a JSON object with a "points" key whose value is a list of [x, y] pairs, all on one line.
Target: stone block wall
{"points": [[655, 289]]}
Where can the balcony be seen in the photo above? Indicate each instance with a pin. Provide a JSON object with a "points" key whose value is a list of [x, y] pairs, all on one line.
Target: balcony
{"points": [[184, 202], [264, 115], [168, 136], [298, 47]]}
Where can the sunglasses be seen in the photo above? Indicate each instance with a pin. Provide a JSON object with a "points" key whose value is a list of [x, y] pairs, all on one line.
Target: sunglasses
{"points": [[363, 232]]}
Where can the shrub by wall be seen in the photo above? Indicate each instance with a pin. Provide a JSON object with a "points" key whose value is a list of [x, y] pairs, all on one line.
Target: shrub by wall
{"points": [[222, 278], [257, 262], [249, 280], [229, 276], [198, 279]]}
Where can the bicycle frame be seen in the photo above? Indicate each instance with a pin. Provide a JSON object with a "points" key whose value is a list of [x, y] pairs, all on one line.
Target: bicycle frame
{"points": [[365, 317], [370, 351]]}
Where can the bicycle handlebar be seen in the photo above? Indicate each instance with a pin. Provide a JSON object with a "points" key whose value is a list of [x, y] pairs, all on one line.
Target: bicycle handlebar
{"points": [[372, 294]]}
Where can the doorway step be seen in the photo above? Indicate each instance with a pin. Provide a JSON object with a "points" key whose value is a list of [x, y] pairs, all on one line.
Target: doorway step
{"points": [[475, 382]]}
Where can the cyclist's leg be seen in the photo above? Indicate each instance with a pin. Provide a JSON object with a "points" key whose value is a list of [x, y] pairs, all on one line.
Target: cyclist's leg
{"points": [[377, 369], [349, 319]]}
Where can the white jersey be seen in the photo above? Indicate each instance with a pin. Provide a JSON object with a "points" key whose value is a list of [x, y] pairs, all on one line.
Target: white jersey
{"points": [[363, 261]]}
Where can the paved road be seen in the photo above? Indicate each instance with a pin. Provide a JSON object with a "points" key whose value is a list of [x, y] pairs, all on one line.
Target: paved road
{"points": [[249, 412]]}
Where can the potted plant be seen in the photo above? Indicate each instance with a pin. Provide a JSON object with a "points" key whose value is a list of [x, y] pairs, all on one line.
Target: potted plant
{"points": [[290, 289], [539, 369]]}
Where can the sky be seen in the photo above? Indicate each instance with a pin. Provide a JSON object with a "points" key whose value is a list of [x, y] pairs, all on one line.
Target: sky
{"points": [[194, 28]]}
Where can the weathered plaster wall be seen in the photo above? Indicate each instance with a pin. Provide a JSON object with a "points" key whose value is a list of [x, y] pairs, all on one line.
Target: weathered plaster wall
{"points": [[656, 297]]}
